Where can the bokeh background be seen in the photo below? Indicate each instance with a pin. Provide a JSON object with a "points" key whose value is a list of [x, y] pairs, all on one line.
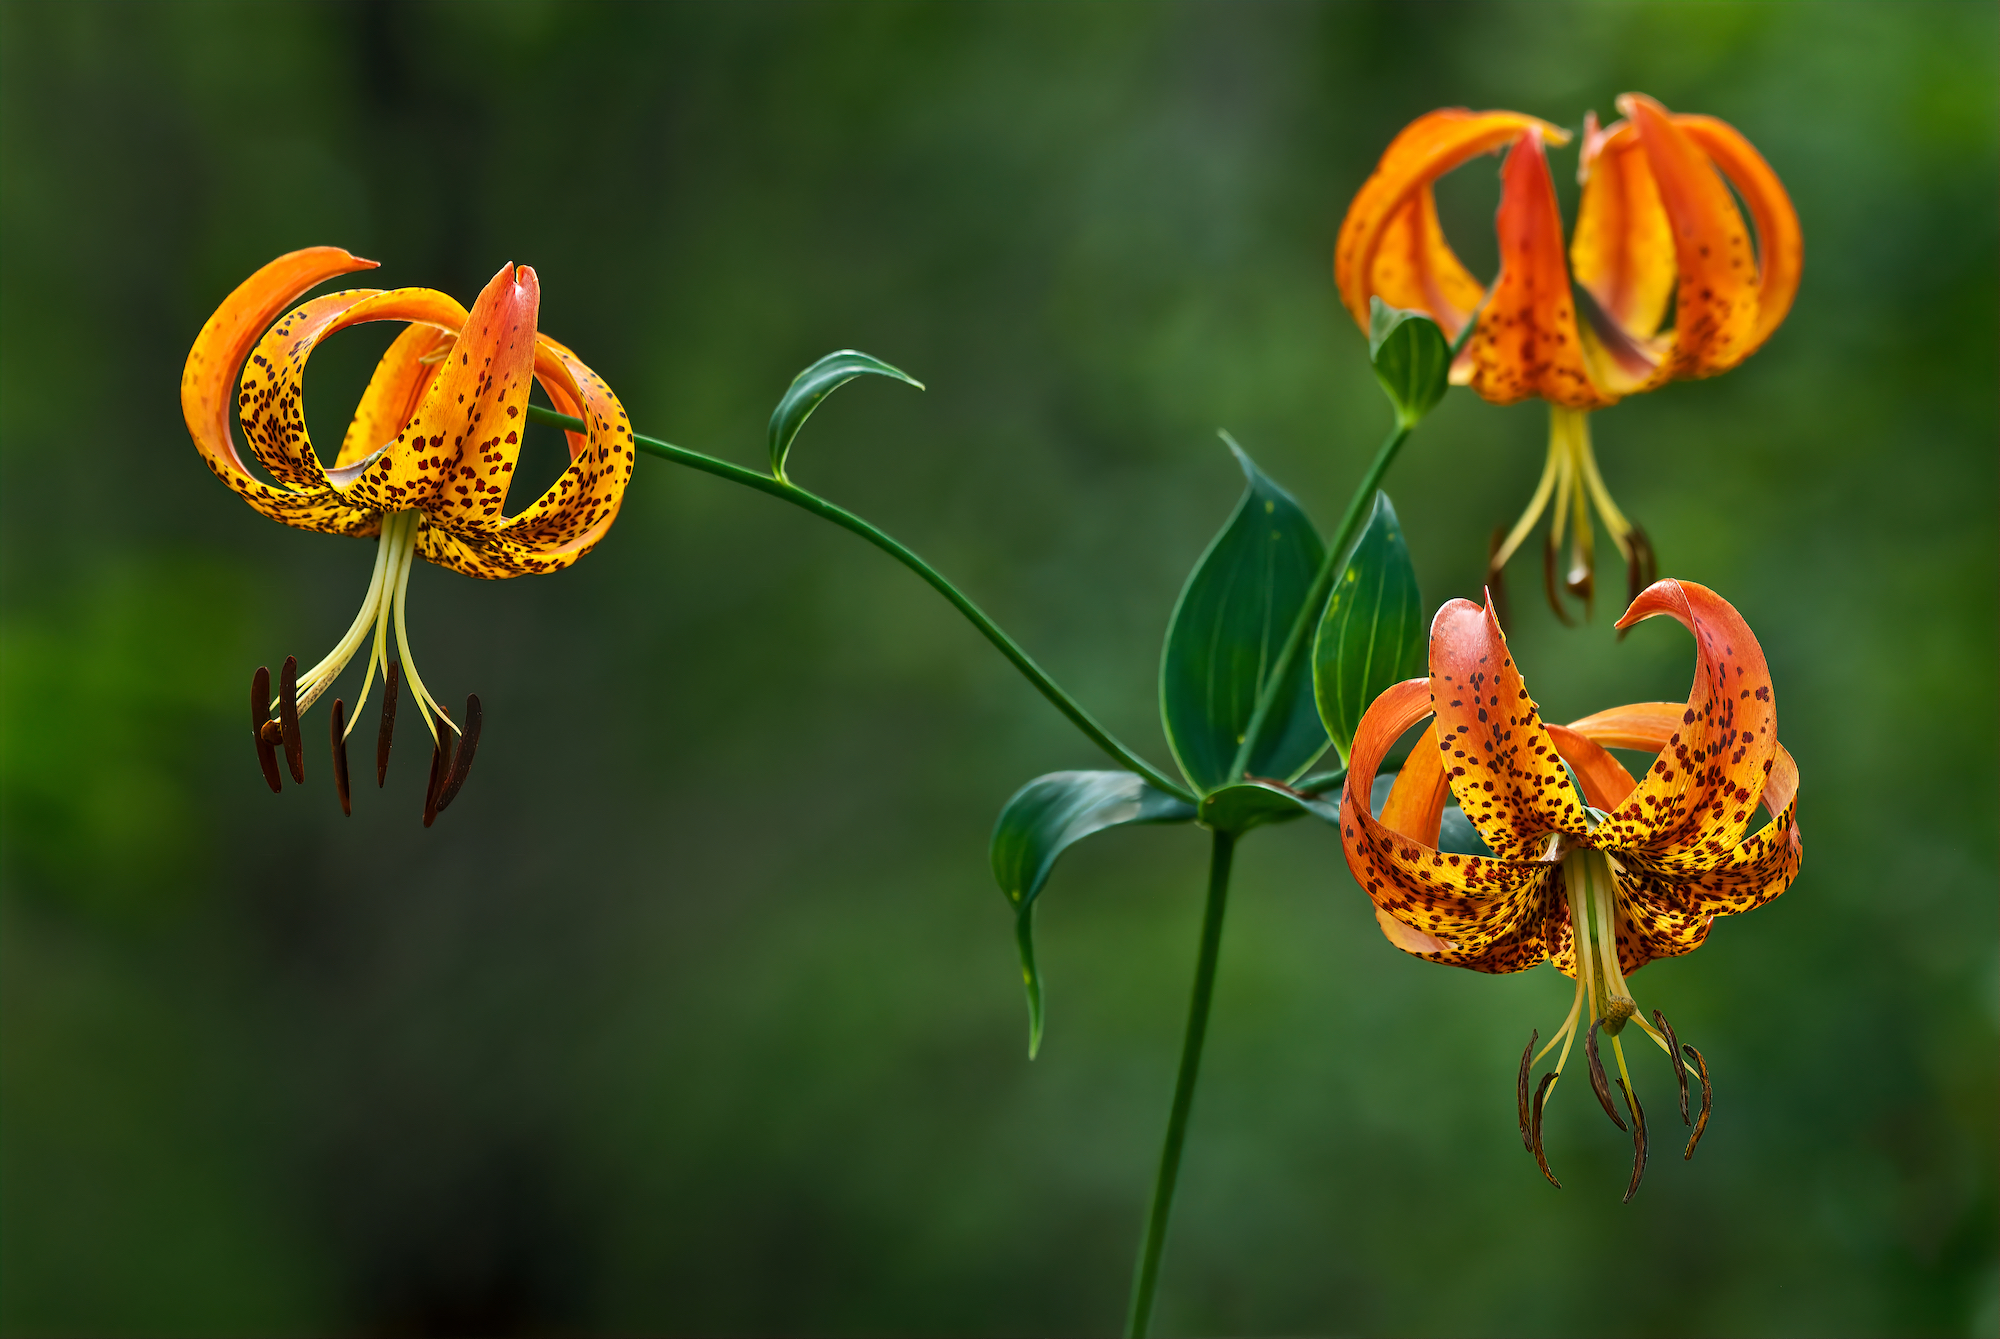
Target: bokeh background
{"points": [[699, 1011]]}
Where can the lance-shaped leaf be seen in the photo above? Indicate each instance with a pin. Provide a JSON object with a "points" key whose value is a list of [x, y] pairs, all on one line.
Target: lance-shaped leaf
{"points": [[1231, 622], [1412, 359], [1045, 818], [1373, 633], [814, 384]]}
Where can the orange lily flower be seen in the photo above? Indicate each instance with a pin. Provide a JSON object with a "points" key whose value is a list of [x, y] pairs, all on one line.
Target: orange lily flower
{"points": [[1656, 230], [424, 468], [1590, 869]]}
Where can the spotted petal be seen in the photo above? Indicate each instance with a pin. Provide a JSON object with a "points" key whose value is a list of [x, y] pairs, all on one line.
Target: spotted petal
{"points": [[1502, 765], [1622, 255], [209, 384], [1526, 341], [1780, 242], [1456, 909], [1390, 244], [1695, 802]]}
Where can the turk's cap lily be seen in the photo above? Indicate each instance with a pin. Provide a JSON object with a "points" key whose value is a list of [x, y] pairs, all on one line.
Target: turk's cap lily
{"points": [[1656, 228], [1593, 869], [425, 467]]}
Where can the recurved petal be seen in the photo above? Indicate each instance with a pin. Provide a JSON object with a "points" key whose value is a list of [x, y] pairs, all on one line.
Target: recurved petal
{"points": [[1526, 341], [1385, 214], [1715, 321], [1647, 726], [1500, 761], [1695, 802], [401, 378], [272, 394], [1455, 908], [1415, 268], [1622, 255], [1665, 914], [208, 381], [1606, 783], [1780, 243]]}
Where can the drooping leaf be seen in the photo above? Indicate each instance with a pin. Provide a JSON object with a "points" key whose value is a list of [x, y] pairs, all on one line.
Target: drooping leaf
{"points": [[1252, 804], [814, 384], [1412, 359], [1228, 627], [1045, 818], [1373, 633]]}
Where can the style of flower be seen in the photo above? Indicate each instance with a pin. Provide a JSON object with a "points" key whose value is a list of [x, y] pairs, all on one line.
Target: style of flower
{"points": [[424, 468], [1591, 869], [1656, 232]]}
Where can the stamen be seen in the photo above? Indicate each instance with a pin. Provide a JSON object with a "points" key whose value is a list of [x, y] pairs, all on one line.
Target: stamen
{"points": [[288, 718], [468, 744], [260, 720], [1535, 1129], [1521, 1086], [340, 758], [1638, 1137], [1701, 1121], [1549, 581], [1674, 1054], [1598, 1084], [1496, 575], [440, 765], [390, 679]]}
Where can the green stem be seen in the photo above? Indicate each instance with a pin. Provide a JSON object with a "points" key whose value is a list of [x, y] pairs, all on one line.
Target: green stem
{"points": [[1147, 1276], [1315, 604], [847, 520]]}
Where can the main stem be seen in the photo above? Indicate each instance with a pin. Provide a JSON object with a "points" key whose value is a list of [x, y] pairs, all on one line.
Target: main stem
{"points": [[847, 520], [1147, 1277], [1309, 613]]}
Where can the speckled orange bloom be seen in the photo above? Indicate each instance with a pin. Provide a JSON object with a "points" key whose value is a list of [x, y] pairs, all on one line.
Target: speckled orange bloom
{"points": [[424, 467], [1656, 230], [1590, 869]]}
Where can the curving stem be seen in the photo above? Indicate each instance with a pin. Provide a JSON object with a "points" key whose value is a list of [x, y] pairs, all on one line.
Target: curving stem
{"points": [[1146, 1277], [847, 520]]}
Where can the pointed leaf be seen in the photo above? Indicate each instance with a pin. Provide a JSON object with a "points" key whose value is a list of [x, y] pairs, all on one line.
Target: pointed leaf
{"points": [[1252, 804], [814, 384], [1048, 816], [1231, 622], [1412, 359], [1373, 633]]}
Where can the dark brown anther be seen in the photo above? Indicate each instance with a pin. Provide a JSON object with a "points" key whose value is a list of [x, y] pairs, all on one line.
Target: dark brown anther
{"points": [[1597, 1081], [1638, 1138], [468, 745], [1496, 579], [1549, 581], [1701, 1121], [1521, 1085], [1535, 1129], [1674, 1054], [340, 756], [1642, 566], [440, 768], [288, 718], [260, 723], [390, 679]]}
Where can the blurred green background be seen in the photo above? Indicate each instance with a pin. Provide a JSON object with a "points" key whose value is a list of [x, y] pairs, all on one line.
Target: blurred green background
{"points": [[699, 1010]]}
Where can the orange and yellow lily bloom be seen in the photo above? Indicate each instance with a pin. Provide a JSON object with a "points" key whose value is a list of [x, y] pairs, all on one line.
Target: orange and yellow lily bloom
{"points": [[1591, 869], [1656, 231], [424, 468]]}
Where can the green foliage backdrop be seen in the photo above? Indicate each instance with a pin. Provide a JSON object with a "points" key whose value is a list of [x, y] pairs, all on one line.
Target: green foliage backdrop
{"points": [[700, 1011]]}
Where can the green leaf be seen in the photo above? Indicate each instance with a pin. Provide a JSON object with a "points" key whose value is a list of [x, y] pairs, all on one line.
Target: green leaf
{"points": [[1227, 629], [1412, 359], [815, 384], [1252, 804], [1045, 818], [1373, 634]]}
